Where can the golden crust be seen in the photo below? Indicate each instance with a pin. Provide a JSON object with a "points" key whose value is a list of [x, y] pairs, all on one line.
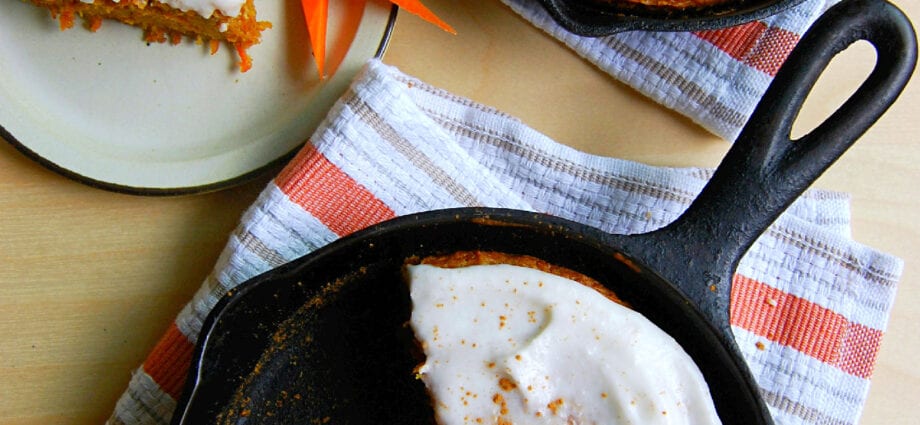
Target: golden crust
{"points": [[471, 258]]}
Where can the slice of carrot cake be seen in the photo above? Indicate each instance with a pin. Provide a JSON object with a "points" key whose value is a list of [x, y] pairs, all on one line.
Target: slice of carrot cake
{"points": [[509, 339], [212, 21]]}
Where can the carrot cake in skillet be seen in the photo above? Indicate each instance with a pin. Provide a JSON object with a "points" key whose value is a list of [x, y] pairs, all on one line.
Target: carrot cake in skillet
{"points": [[211, 21], [512, 339]]}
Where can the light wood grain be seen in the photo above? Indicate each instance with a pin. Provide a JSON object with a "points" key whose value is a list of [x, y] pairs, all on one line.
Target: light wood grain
{"points": [[89, 279]]}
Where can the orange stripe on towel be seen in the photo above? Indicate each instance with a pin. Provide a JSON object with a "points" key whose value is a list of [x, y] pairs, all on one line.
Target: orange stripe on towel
{"points": [[737, 41], [754, 44], [773, 49], [330, 195], [860, 350], [805, 326], [169, 361]]}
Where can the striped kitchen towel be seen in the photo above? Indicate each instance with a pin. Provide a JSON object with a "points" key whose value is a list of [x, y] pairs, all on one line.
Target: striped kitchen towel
{"points": [[810, 305], [713, 77]]}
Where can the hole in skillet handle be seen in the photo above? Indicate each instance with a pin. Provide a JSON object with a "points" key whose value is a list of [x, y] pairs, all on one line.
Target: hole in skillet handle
{"points": [[765, 171], [597, 18]]}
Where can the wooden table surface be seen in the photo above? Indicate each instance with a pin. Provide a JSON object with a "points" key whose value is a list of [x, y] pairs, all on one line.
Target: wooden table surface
{"points": [[89, 279]]}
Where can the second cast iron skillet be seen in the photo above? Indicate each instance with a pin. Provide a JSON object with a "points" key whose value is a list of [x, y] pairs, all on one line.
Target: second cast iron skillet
{"points": [[323, 339], [594, 18]]}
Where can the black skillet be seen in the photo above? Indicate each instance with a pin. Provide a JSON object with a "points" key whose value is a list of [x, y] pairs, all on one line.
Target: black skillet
{"points": [[594, 18], [323, 339]]}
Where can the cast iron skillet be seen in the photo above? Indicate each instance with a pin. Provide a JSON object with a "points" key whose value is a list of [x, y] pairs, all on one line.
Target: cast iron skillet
{"points": [[323, 339], [594, 18]]}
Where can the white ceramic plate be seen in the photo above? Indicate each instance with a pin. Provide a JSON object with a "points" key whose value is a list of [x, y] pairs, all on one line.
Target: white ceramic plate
{"points": [[111, 111]]}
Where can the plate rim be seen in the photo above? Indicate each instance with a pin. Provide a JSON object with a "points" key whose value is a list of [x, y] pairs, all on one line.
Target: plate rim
{"points": [[164, 191]]}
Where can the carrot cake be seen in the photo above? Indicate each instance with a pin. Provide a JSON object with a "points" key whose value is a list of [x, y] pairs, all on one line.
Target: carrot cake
{"points": [[665, 4], [211, 21], [513, 342]]}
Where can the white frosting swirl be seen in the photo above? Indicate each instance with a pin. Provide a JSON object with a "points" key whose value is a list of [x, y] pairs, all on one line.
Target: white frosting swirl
{"points": [[509, 344], [206, 8]]}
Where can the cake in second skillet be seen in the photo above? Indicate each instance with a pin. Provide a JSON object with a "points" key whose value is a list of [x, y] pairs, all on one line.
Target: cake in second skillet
{"points": [[514, 340], [672, 4]]}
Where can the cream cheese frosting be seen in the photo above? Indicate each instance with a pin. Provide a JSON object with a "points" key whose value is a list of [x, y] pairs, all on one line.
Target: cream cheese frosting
{"points": [[513, 345], [206, 8]]}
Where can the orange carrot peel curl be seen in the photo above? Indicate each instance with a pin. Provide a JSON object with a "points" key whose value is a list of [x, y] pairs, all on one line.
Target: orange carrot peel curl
{"points": [[316, 13], [245, 59]]}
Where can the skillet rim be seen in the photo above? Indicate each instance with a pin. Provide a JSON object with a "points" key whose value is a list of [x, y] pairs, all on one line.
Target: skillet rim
{"points": [[594, 18], [543, 226]]}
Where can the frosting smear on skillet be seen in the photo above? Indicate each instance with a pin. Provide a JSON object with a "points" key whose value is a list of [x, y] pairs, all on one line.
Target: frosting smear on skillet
{"points": [[506, 344]]}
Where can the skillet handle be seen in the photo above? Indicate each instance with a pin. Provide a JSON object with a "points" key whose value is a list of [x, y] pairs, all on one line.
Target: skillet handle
{"points": [[765, 171]]}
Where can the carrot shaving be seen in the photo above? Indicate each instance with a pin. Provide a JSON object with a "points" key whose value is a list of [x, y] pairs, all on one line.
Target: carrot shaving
{"points": [[214, 45], [245, 60], [67, 18], [417, 8], [95, 23], [316, 12]]}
